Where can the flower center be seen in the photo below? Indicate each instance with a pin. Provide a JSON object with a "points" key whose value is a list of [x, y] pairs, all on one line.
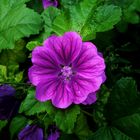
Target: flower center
{"points": [[66, 72]]}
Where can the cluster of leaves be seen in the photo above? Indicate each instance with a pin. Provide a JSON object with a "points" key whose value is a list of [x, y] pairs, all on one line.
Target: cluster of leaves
{"points": [[116, 114], [87, 18]]}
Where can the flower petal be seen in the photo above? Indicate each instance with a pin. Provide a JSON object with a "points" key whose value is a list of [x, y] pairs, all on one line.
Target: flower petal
{"points": [[7, 90], [54, 133], [82, 87], [67, 47], [45, 65], [31, 132], [103, 77], [44, 57], [46, 89], [63, 96], [89, 64], [36, 74], [9, 105], [90, 99], [56, 90]]}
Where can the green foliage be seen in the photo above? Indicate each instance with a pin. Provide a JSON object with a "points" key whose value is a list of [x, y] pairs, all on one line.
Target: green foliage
{"points": [[116, 114], [87, 19], [106, 17], [130, 12], [10, 74], [13, 74], [137, 5], [98, 114], [17, 124], [62, 23], [130, 125], [3, 124], [15, 56], [19, 76], [109, 133], [49, 16], [123, 100], [69, 3], [81, 128], [123, 108], [65, 119], [130, 9], [16, 21], [32, 44], [31, 106], [10, 60], [67, 137], [3, 73]]}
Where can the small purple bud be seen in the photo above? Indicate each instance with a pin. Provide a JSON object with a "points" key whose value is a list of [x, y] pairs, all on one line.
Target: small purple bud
{"points": [[31, 132], [8, 103], [47, 3]]}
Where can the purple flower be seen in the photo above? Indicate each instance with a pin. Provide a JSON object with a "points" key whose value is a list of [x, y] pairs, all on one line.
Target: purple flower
{"points": [[54, 133], [31, 132], [66, 70], [90, 99], [8, 103], [47, 3], [92, 96]]}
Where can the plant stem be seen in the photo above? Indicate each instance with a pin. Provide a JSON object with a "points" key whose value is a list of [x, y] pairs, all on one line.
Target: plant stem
{"points": [[87, 113], [44, 116], [13, 83]]}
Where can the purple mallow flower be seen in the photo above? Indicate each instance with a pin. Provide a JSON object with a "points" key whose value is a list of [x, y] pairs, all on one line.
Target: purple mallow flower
{"points": [[54, 133], [90, 99], [66, 70], [8, 103], [31, 132], [47, 3]]}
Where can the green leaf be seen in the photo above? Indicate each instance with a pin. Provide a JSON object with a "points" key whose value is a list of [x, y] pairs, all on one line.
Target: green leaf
{"points": [[2, 124], [69, 3], [130, 10], [17, 124], [81, 17], [131, 16], [3, 73], [91, 19], [106, 17], [14, 56], [16, 21], [46, 120], [81, 128], [87, 19], [130, 125], [123, 100], [109, 133], [10, 73], [98, 114], [49, 16], [31, 106], [32, 44], [65, 119], [13, 74], [19, 76], [67, 137], [137, 5], [62, 23]]}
